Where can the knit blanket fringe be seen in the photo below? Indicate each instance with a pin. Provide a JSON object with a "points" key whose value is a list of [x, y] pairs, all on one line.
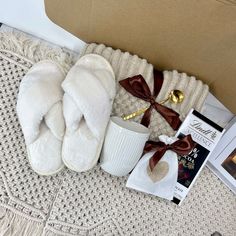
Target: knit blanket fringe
{"points": [[35, 50], [14, 224], [31, 50]]}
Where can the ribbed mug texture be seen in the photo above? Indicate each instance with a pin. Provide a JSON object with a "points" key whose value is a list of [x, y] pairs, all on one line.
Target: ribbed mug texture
{"points": [[123, 146]]}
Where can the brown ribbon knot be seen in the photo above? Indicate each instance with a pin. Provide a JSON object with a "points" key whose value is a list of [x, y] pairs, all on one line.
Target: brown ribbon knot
{"points": [[138, 87], [182, 147]]}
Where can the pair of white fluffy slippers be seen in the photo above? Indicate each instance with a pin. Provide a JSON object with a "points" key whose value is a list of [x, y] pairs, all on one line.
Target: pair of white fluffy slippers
{"points": [[64, 117]]}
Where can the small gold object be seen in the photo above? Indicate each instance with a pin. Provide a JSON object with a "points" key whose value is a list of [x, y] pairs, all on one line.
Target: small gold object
{"points": [[134, 114], [234, 159], [175, 96]]}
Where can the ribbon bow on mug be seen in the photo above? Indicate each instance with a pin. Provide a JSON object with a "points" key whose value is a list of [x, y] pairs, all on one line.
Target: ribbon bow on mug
{"points": [[138, 87], [182, 147]]}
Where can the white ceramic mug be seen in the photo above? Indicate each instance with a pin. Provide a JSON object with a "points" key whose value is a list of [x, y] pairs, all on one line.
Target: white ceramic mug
{"points": [[123, 146]]}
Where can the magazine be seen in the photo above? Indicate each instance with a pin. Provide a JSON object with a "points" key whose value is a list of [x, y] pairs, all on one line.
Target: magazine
{"points": [[222, 161]]}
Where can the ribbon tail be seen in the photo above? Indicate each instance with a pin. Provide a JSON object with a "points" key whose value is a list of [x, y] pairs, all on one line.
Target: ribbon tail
{"points": [[156, 157], [150, 145], [171, 116], [146, 117]]}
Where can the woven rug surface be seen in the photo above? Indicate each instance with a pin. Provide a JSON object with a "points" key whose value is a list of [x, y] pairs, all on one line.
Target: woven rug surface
{"points": [[91, 203]]}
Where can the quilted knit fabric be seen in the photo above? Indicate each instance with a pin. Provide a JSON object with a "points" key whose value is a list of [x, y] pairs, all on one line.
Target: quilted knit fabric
{"points": [[126, 65], [91, 203]]}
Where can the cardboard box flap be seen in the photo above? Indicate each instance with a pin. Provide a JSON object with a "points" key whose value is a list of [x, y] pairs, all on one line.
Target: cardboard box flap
{"points": [[197, 37]]}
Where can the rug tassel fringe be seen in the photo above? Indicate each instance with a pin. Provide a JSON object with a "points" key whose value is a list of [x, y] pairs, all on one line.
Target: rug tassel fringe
{"points": [[16, 225], [35, 50]]}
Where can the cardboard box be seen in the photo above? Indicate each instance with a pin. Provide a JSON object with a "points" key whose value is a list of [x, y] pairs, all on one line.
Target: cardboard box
{"points": [[197, 36]]}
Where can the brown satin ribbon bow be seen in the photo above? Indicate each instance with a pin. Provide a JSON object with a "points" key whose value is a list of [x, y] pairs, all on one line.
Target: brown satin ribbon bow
{"points": [[182, 147], [138, 87]]}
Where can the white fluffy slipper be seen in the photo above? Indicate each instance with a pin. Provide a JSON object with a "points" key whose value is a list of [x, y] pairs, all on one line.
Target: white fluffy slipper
{"points": [[39, 109], [89, 92]]}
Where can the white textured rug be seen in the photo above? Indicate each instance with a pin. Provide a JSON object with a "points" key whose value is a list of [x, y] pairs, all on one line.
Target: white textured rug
{"points": [[92, 203]]}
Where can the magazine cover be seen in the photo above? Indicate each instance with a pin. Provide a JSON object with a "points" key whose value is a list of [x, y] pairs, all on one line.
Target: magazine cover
{"points": [[222, 161]]}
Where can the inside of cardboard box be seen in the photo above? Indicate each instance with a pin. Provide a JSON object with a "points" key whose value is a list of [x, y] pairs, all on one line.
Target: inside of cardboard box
{"points": [[196, 37]]}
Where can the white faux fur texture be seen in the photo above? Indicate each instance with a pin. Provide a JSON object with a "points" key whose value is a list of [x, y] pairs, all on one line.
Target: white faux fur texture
{"points": [[39, 108], [89, 92]]}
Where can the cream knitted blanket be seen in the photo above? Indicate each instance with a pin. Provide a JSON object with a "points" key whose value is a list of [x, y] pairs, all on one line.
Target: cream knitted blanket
{"points": [[92, 203]]}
